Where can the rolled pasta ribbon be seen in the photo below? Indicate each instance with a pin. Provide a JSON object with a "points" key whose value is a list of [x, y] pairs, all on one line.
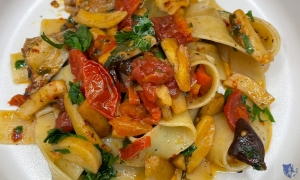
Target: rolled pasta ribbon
{"points": [[197, 59], [176, 135], [60, 169], [218, 154], [211, 53], [41, 98], [208, 23]]}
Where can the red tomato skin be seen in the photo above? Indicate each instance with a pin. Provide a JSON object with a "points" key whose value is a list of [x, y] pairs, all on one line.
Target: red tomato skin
{"points": [[64, 122], [130, 6], [77, 60], [100, 90], [234, 109], [204, 79], [105, 43], [172, 26], [150, 72], [133, 149], [17, 100], [135, 111], [153, 109], [126, 126]]}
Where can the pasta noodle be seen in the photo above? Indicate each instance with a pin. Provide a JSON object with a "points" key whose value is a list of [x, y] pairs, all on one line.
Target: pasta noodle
{"points": [[124, 92]]}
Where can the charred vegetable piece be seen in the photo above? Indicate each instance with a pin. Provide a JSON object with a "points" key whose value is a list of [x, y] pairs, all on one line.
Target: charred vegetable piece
{"points": [[247, 146], [43, 61]]}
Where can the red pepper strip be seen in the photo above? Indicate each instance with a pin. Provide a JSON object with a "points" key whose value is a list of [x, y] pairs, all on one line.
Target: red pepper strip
{"points": [[234, 109], [204, 79], [132, 96], [125, 126], [151, 107], [17, 100], [105, 43], [133, 149], [100, 89]]}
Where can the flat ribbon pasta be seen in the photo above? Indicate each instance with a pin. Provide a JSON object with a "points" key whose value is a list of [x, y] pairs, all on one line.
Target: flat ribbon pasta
{"points": [[60, 169], [176, 135], [218, 154], [208, 23]]}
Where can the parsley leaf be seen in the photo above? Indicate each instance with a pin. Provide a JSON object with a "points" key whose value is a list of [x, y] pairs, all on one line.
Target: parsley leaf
{"points": [[249, 14], [142, 28], [81, 39], [227, 93], [20, 64], [256, 112], [106, 170], [55, 135], [18, 129], [126, 142], [189, 151], [75, 95], [63, 151]]}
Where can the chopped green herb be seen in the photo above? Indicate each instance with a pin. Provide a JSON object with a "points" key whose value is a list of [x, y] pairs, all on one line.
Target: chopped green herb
{"points": [[227, 93], [126, 142], [18, 129], [55, 135], [247, 44], [106, 170], [45, 38], [71, 20], [268, 113], [256, 112], [19, 64], [142, 28], [74, 94], [189, 151], [191, 25], [249, 14], [244, 99], [63, 151], [81, 39], [160, 54]]}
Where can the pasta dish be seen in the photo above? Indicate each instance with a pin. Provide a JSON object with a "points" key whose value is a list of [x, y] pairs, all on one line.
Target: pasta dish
{"points": [[156, 90]]}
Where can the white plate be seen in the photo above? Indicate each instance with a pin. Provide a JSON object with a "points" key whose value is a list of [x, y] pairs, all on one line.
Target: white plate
{"points": [[21, 19]]}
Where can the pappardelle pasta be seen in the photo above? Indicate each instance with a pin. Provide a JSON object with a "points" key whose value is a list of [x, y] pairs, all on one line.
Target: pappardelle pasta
{"points": [[132, 89]]}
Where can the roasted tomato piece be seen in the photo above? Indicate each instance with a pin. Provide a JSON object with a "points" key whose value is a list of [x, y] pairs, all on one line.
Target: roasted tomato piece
{"points": [[132, 150], [126, 126], [175, 26], [234, 109]]}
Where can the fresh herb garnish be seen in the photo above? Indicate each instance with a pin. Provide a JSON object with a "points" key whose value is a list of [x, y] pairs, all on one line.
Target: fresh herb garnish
{"points": [[56, 45], [191, 25], [62, 151], [247, 44], [126, 142], [189, 151], [106, 170], [249, 14], [81, 39], [142, 28], [18, 129], [20, 64], [160, 54], [75, 95], [256, 112], [55, 135], [227, 93]]}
